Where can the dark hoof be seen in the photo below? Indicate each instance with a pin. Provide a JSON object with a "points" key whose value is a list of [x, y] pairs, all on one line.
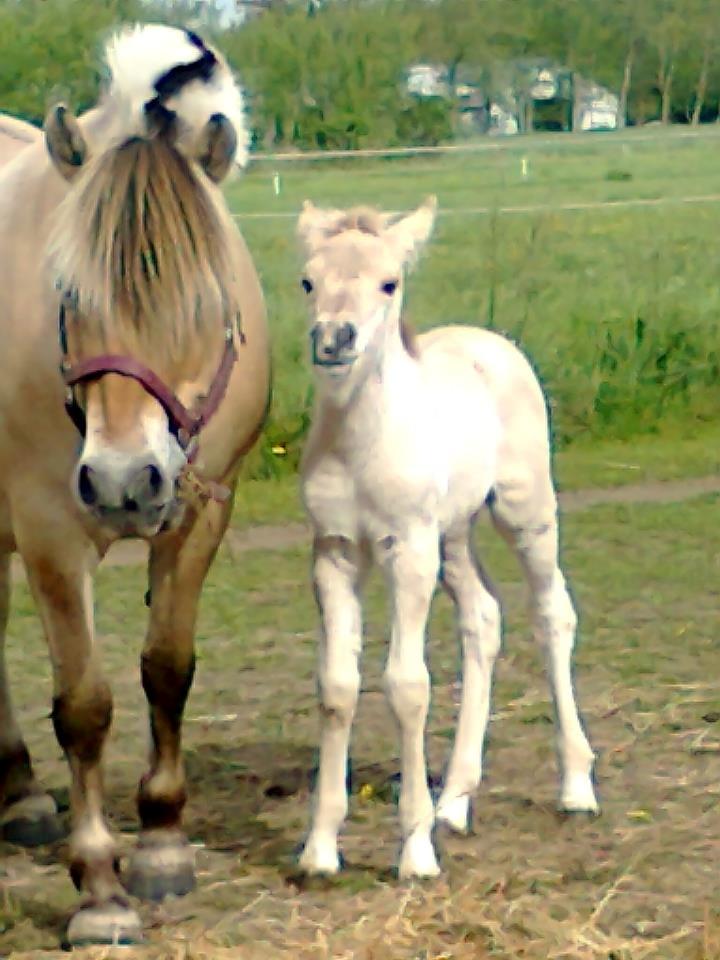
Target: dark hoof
{"points": [[159, 871], [32, 821], [106, 923]]}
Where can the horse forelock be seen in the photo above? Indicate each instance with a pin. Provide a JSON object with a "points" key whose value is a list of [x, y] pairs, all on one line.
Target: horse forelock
{"points": [[147, 249]]}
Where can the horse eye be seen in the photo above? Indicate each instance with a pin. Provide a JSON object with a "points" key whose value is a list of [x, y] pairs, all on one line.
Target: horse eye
{"points": [[307, 285], [389, 287]]}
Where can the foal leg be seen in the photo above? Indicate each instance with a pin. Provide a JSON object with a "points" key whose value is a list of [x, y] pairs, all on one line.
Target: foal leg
{"points": [[411, 568], [533, 533], [27, 815], [82, 711], [479, 623], [163, 862], [337, 574]]}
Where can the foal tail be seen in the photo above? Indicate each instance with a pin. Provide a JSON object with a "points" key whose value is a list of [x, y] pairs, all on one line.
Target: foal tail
{"points": [[163, 71]]}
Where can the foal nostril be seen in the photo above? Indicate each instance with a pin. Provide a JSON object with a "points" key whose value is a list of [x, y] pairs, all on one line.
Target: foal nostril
{"points": [[345, 338], [86, 488]]}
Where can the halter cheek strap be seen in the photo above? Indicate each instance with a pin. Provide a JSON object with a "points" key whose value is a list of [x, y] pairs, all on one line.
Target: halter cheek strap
{"points": [[185, 422]]}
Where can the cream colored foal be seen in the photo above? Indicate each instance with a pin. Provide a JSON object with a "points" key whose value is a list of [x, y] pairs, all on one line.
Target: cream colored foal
{"points": [[409, 441]]}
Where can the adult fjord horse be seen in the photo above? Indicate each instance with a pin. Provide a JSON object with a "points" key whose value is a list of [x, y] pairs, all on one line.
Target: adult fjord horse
{"points": [[147, 298], [15, 135]]}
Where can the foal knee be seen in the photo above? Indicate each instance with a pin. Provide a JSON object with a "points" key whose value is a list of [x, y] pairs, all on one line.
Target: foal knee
{"points": [[338, 696], [554, 614], [481, 633], [408, 695]]}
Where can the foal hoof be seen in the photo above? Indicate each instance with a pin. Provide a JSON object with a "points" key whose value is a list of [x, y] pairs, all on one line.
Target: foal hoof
{"points": [[32, 821], [578, 796], [418, 860], [455, 815], [104, 923], [160, 869]]}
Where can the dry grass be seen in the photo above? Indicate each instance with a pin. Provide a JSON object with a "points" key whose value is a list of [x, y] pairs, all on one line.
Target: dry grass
{"points": [[638, 882]]}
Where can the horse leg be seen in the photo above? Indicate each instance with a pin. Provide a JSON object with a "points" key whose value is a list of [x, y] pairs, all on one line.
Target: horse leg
{"points": [[529, 524], [163, 861], [337, 573], [60, 580], [478, 615], [28, 816], [411, 568]]}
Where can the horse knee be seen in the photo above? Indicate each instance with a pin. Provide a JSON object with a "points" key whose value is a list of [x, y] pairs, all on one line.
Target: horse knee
{"points": [[81, 718], [166, 680]]}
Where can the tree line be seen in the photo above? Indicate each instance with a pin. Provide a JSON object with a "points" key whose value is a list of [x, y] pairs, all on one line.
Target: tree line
{"points": [[331, 73]]}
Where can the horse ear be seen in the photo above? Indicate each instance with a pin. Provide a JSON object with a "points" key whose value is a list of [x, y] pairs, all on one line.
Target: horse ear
{"points": [[314, 224], [410, 233], [217, 147], [65, 141]]}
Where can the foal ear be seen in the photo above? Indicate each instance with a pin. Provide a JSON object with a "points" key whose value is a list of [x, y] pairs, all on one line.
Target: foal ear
{"points": [[410, 233], [65, 141], [217, 147], [314, 224]]}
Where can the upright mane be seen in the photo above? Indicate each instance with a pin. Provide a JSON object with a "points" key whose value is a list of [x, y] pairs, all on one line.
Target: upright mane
{"points": [[364, 219], [143, 238], [145, 246]]}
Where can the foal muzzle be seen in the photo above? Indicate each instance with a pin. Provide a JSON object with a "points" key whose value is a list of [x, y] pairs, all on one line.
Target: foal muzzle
{"points": [[333, 345]]}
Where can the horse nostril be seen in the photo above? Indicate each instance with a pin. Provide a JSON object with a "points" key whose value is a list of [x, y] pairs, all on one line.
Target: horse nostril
{"points": [[155, 479], [86, 488]]}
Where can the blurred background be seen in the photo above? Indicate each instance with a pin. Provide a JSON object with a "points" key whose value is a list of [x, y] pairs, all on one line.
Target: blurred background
{"points": [[572, 145]]}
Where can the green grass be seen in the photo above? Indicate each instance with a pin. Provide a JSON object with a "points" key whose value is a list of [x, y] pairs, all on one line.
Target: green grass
{"points": [[638, 882], [617, 307], [676, 454]]}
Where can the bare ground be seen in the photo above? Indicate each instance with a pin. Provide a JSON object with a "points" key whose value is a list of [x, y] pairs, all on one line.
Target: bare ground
{"points": [[638, 882], [290, 535]]}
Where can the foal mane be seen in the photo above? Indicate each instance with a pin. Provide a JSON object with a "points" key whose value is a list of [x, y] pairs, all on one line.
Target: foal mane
{"points": [[146, 248], [364, 219]]}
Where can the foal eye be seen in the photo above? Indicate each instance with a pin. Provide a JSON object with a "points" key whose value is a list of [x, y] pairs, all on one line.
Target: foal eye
{"points": [[389, 287], [306, 285]]}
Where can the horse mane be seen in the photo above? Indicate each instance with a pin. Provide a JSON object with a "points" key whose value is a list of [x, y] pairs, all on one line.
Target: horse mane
{"points": [[146, 248]]}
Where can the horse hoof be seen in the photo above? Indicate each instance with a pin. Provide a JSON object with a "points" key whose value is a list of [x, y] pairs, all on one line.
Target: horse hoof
{"points": [[32, 821], [161, 870], [105, 923]]}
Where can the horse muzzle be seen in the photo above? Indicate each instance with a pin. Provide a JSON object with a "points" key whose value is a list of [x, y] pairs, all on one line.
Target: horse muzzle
{"points": [[132, 496]]}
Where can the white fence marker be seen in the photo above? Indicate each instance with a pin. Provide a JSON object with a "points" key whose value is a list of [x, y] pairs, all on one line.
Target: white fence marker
{"points": [[276, 183], [524, 167]]}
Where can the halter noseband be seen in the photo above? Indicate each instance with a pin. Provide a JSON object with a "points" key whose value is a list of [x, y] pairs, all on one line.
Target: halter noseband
{"points": [[185, 422]]}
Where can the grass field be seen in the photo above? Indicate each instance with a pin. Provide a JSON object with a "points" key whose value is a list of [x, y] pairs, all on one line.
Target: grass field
{"points": [[632, 402], [637, 882], [617, 306]]}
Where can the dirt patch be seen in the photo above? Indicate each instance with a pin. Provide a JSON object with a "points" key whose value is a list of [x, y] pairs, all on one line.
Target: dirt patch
{"points": [[287, 536]]}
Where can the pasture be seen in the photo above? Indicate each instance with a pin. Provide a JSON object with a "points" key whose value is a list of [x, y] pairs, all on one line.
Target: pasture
{"points": [[618, 306], [632, 402]]}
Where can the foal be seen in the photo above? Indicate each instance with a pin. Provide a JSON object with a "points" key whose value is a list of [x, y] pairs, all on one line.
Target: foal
{"points": [[407, 444]]}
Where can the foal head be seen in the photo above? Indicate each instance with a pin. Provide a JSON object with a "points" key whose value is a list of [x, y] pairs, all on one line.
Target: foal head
{"points": [[142, 252], [353, 278]]}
